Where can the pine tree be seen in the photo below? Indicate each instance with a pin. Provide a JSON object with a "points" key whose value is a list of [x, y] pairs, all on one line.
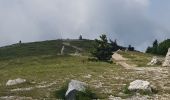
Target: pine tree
{"points": [[102, 49], [149, 50], [114, 45], [130, 48], [155, 47]]}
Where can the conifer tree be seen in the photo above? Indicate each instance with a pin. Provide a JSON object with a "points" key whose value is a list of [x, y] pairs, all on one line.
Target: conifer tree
{"points": [[102, 49]]}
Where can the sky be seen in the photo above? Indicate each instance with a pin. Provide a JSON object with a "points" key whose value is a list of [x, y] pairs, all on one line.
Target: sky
{"points": [[135, 22]]}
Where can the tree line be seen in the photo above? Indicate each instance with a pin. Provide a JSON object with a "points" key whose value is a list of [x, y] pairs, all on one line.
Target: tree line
{"points": [[104, 48], [159, 48]]}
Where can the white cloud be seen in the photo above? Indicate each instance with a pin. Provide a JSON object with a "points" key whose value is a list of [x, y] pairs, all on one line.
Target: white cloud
{"points": [[31, 20]]}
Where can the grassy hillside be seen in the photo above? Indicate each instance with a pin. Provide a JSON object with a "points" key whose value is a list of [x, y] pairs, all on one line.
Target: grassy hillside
{"points": [[51, 47], [46, 72], [137, 58]]}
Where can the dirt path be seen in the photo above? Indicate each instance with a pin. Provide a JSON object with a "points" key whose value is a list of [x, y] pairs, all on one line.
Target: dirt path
{"points": [[158, 75], [75, 47], [121, 61]]}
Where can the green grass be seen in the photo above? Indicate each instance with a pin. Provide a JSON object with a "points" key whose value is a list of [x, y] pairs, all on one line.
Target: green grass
{"points": [[51, 47], [61, 69], [40, 65], [49, 69], [137, 58]]}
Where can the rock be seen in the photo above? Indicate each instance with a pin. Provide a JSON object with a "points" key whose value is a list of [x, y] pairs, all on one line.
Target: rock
{"points": [[22, 89], [120, 94], [167, 60], [88, 76], [15, 82], [77, 53], [74, 87], [106, 91], [98, 85], [139, 97], [15, 98], [140, 85], [155, 61], [114, 98]]}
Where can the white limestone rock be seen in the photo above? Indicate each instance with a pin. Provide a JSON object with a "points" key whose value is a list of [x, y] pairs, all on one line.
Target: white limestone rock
{"points": [[73, 87], [88, 76], [167, 59], [111, 97], [155, 61], [140, 85], [15, 82], [15, 98]]}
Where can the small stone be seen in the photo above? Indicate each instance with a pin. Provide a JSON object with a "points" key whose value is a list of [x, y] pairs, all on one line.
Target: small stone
{"points": [[22, 89], [111, 97], [88, 76], [15, 82], [15, 98]]}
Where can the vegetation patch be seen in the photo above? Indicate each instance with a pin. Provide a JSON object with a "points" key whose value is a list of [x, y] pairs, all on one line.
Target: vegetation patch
{"points": [[86, 95]]}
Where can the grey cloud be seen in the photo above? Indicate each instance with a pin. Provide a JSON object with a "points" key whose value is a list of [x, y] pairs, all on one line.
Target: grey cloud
{"points": [[125, 20]]}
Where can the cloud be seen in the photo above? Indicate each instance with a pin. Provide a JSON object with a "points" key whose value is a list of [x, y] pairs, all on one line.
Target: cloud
{"points": [[128, 21]]}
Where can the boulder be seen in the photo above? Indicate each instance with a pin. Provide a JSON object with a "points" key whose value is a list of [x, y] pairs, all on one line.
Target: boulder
{"points": [[155, 61], [15, 82], [74, 87], [138, 85], [167, 59]]}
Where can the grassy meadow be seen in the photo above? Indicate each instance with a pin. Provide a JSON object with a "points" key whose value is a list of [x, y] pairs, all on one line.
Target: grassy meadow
{"points": [[47, 72], [44, 70]]}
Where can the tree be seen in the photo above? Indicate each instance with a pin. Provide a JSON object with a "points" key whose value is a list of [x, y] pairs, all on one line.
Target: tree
{"points": [[163, 47], [102, 49], [155, 47], [149, 50], [114, 45], [130, 48], [80, 37], [20, 42], [155, 43]]}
